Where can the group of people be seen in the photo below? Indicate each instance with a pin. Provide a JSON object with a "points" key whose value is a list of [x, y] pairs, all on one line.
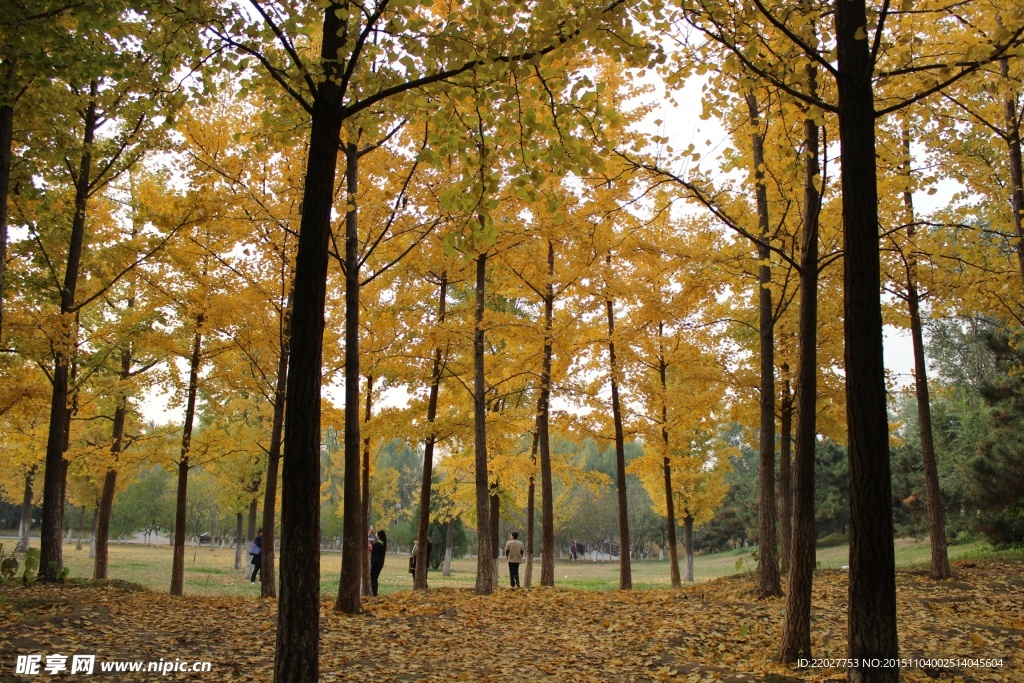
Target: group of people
{"points": [[377, 546]]}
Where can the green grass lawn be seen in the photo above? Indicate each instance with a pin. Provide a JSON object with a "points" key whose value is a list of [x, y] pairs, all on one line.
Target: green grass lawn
{"points": [[211, 572]]}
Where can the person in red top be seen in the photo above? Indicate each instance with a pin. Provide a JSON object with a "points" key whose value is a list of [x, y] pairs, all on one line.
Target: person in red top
{"points": [[514, 555]]}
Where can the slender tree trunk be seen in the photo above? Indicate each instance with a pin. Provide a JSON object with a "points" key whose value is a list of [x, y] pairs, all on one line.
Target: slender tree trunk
{"points": [[785, 477], [25, 523], [937, 526], [448, 541], [872, 603], [495, 510], [688, 545], [240, 541], [547, 564], [81, 527], [423, 531], [768, 584], [268, 578], [92, 538], [486, 571], [625, 569], [365, 516], [353, 548], [796, 630], [298, 616], [51, 559], [106, 505], [531, 495], [1016, 172], [6, 143], [178, 561], [670, 503]]}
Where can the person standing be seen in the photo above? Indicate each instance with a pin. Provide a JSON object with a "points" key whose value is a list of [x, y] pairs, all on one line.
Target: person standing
{"points": [[514, 555], [377, 552], [256, 555]]}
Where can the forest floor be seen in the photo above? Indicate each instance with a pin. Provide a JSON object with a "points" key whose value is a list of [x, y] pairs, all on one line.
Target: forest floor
{"points": [[711, 631]]}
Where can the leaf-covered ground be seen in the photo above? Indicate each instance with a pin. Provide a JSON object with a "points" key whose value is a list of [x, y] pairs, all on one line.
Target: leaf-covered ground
{"points": [[710, 631]]}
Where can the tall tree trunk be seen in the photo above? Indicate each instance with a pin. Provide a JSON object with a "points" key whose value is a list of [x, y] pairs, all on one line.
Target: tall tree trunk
{"points": [[937, 521], [365, 516], [785, 476], [547, 562], [51, 558], [353, 545], [872, 603], [796, 630], [768, 584], [99, 569], [25, 523], [423, 531], [240, 541], [297, 650], [486, 571], [670, 503], [625, 569], [6, 143], [495, 511], [1016, 172], [268, 580], [178, 561], [531, 496], [688, 545]]}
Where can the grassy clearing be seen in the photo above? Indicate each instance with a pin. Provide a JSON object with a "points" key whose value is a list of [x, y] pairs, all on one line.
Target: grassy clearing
{"points": [[211, 572]]}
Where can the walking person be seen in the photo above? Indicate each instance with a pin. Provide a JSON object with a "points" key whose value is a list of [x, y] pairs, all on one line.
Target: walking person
{"points": [[256, 556], [514, 555], [377, 552]]}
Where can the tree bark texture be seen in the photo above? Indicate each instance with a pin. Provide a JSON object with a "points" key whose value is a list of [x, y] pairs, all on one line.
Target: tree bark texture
{"points": [[297, 649], [871, 630], [670, 504], [547, 512], [364, 516], [767, 584], [486, 571], [688, 545], [268, 575], [51, 559], [99, 570], [1016, 172], [6, 143], [353, 550], [786, 477], [178, 560], [625, 568], [423, 531], [796, 629]]}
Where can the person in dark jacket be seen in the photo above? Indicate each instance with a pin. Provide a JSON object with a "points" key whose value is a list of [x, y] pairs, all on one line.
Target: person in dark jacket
{"points": [[255, 552], [377, 552]]}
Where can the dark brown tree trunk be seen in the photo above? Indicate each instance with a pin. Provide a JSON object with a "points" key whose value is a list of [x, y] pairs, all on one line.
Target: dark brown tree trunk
{"points": [[106, 505], [786, 478], [872, 603], [547, 506], [796, 630], [688, 545], [423, 532], [365, 516], [298, 617], [6, 143], [1016, 173], [240, 541], [937, 521], [268, 577], [51, 559], [531, 495], [178, 561], [253, 509], [353, 548], [625, 569], [486, 571], [670, 503], [768, 584], [25, 523]]}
